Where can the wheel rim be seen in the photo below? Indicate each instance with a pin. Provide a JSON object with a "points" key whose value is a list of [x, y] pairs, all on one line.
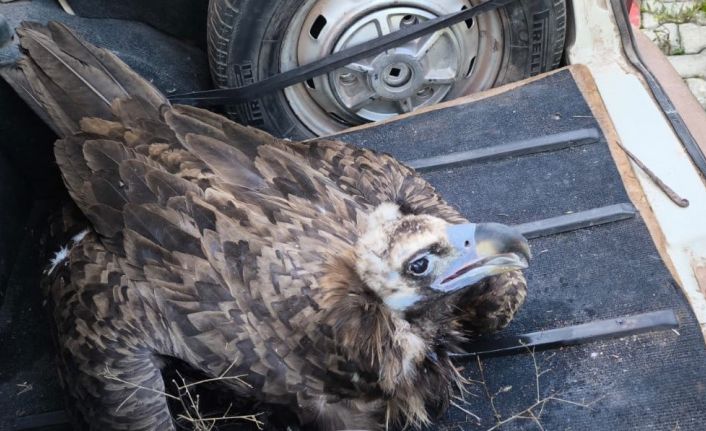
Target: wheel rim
{"points": [[446, 64]]}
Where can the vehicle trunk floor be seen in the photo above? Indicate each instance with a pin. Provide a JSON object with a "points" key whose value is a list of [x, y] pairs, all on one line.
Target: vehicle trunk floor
{"points": [[648, 381]]}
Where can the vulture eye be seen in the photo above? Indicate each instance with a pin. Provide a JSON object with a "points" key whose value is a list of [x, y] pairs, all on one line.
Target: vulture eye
{"points": [[419, 266]]}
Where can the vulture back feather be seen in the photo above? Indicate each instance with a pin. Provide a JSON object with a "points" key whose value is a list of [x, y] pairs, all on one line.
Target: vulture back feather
{"points": [[214, 240]]}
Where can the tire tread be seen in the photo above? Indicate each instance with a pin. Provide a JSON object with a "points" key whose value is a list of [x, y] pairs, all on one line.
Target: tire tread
{"points": [[221, 26], [559, 32], [237, 55]]}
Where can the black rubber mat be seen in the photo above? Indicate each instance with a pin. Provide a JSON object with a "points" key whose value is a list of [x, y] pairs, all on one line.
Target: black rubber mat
{"points": [[652, 381], [28, 377], [171, 64], [30, 189]]}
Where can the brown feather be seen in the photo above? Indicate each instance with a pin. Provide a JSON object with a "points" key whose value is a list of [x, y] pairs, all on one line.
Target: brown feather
{"points": [[233, 251], [84, 84]]}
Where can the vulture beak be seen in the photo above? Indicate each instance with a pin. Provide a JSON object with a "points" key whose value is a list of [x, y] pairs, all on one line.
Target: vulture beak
{"points": [[482, 250]]}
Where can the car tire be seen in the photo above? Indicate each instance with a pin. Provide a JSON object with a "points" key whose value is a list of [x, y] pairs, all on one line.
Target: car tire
{"points": [[245, 38]]}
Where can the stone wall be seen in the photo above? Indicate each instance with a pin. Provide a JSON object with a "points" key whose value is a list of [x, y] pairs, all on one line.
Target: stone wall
{"points": [[678, 28]]}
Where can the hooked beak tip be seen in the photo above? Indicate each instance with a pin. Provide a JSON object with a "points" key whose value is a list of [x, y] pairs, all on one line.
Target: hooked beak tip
{"points": [[484, 250]]}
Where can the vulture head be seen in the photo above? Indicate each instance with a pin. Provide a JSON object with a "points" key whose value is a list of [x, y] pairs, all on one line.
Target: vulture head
{"points": [[410, 261], [419, 285]]}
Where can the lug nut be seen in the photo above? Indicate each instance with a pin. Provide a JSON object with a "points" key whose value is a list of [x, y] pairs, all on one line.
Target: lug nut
{"points": [[425, 92], [408, 20], [347, 78]]}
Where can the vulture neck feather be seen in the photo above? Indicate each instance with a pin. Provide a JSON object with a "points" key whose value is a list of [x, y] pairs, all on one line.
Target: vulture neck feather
{"points": [[409, 360]]}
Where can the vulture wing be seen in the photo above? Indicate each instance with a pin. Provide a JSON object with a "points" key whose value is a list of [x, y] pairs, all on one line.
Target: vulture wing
{"points": [[212, 238]]}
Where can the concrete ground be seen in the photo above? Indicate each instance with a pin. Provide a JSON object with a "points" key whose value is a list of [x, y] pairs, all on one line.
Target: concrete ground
{"points": [[678, 27]]}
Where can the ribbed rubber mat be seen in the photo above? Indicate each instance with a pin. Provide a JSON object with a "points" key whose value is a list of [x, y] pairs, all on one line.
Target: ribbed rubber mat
{"points": [[651, 381], [536, 157]]}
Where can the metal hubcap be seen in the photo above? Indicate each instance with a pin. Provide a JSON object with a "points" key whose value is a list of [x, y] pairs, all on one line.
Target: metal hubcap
{"points": [[422, 72]]}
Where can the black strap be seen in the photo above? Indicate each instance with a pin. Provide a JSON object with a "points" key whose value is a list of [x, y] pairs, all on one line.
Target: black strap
{"points": [[333, 61]]}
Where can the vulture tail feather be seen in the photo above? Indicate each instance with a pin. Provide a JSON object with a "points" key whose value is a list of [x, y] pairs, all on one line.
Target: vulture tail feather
{"points": [[65, 79]]}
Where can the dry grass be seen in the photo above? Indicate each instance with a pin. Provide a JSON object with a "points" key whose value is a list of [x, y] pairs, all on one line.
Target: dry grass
{"points": [[673, 14], [24, 387], [536, 409], [190, 400], [532, 412]]}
